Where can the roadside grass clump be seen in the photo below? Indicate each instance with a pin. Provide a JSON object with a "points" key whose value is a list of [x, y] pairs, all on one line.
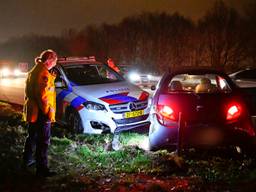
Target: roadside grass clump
{"points": [[132, 139], [61, 141], [88, 152], [60, 144], [6, 110], [62, 155], [216, 169], [116, 161], [94, 141], [252, 174], [129, 159], [10, 114], [83, 163]]}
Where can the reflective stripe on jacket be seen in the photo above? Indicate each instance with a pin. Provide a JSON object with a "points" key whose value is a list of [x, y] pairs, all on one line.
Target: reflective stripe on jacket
{"points": [[39, 94]]}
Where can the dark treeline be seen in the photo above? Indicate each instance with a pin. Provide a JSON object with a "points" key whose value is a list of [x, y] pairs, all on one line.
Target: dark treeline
{"points": [[222, 38]]}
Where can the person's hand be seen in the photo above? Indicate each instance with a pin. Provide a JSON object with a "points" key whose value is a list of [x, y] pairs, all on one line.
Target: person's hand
{"points": [[53, 72], [51, 110], [51, 114]]}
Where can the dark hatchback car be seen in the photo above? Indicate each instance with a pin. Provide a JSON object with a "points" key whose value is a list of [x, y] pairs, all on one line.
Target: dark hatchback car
{"points": [[199, 108], [245, 74], [244, 78]]}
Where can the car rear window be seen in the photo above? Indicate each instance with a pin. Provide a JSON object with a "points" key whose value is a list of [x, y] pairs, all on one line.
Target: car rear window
{"points": [[207, 83]]}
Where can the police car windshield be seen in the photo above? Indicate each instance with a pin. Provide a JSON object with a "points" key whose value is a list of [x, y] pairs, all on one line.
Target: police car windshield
{"points": [[89, 74]]}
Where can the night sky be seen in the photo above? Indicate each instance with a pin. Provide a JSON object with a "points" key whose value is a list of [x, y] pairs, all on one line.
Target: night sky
{"points": [[51, 17]]}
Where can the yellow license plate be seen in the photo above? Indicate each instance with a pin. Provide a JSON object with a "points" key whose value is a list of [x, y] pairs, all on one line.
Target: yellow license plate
{"points": [[134, 114]]}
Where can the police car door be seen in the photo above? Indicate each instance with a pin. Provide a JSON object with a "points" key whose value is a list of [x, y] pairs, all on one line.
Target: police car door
{"points": [[61, 87]]}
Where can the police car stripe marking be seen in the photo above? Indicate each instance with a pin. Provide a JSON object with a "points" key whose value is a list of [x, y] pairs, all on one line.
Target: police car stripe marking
{"points": [[118, 98], [79, 107], [77, 102], [62, 95], [70, 97], [135, 94], [72, 83], [115, 95], [111, 101]]}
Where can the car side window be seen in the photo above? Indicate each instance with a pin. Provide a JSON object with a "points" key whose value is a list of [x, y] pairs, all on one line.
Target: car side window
{"points": [[105, 73], [59, 79], [248, 74], [252, 74]]}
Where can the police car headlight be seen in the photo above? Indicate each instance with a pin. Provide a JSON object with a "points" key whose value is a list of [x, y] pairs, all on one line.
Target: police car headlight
{"points": [[94, 106]]}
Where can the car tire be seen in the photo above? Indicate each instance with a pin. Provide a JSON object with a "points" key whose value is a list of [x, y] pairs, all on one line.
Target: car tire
{"points": [[75, 123], [151, 146], [154, 147]]}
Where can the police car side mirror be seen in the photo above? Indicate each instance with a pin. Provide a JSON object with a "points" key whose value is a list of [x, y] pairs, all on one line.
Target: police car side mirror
{"points": [[153, 87], [59, 84]]}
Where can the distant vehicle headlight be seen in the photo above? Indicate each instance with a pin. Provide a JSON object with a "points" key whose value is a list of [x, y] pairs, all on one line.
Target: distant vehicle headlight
{"points": [[94, 106], [134, 77], [149, 77], [6, 72], [17, 72]]}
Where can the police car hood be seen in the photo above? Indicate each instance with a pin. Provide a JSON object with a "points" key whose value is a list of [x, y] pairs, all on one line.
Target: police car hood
{"points": [[111, 93]]}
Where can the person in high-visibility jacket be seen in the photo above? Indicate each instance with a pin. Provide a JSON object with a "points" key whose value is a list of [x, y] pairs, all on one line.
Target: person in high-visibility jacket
{"points": [[39, 111]]}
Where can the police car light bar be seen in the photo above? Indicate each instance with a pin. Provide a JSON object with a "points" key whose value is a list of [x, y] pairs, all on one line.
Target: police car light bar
{"points": [[76, 59]]}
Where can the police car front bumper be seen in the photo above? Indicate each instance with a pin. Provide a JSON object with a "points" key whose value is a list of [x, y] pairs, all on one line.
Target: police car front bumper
{"points": [[97, 122]]}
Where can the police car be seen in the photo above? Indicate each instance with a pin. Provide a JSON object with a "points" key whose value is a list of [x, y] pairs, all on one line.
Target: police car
{"points": [[93, 98]]}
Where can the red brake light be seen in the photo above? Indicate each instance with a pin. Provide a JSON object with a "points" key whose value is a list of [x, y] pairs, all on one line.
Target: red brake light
{"points": [[166, 112], [234, 111]]}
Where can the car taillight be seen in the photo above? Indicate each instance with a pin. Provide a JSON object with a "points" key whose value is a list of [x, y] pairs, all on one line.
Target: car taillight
{"points": [[166, 112], [234, 112]]}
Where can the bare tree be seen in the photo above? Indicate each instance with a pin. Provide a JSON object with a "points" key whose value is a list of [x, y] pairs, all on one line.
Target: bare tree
{"points": [[221, 32], [250, 17]]}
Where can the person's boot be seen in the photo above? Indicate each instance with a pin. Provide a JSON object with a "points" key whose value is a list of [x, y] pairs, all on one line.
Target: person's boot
{"points": [[45, 172], [29, 163]]}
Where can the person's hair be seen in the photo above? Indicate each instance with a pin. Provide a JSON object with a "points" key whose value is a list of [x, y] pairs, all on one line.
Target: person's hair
{"points": [[45, 55]]}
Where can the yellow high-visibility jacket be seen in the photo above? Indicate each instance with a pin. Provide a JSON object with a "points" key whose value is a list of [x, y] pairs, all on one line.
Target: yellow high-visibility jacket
{"points": [[39, 94]]}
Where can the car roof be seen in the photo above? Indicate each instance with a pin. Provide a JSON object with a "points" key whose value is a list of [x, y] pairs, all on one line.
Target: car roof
{"points": [[77, 60], [195, 70], [242, 70]]}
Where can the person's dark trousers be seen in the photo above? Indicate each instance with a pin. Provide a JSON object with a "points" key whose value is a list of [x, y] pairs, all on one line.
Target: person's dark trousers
{"points": [[30, 143], [43, 141]]}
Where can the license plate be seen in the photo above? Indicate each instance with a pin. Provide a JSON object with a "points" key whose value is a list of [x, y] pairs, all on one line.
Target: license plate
{"points": [[209, 137], [133, 114]]}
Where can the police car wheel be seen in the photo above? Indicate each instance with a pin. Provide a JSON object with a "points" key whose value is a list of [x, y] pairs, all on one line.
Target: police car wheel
{"points": [[75, 122]]}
